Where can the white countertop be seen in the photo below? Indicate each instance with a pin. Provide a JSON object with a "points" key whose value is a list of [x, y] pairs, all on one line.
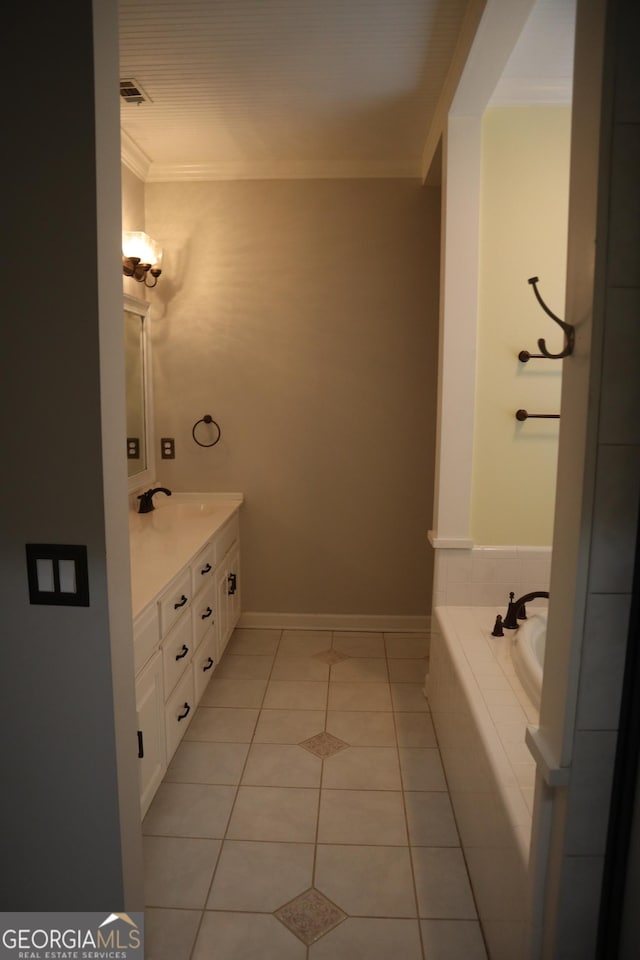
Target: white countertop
{"points": [[164, 541]]}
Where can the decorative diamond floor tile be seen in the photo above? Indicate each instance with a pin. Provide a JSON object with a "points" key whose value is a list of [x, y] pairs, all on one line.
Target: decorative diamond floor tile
{"points": [[310, 916], [330, 656], [323, 745]]}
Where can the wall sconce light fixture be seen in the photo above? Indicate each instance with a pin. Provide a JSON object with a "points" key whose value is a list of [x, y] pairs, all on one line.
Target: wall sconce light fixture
{"points": [[141, 256]]}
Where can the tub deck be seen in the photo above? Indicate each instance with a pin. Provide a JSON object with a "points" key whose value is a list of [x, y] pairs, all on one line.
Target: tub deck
{"points": [[481, 712]]}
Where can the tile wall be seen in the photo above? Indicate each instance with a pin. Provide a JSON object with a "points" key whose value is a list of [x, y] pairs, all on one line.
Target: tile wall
{"points": [[484, 576]]}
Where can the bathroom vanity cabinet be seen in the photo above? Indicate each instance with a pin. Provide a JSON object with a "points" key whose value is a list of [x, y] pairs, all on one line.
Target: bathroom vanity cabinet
{"points": [[186, 597]]}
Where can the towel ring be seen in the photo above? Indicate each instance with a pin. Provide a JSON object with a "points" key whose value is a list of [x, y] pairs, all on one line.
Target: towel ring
{"points": [[206, 419]]}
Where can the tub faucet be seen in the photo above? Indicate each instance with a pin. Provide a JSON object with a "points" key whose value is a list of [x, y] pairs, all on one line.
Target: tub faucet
{"points": [[516, 610], [146, 499]]}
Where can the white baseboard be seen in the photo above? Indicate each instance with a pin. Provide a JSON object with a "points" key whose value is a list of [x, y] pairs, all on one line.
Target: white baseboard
{"points": [[336, 621]]}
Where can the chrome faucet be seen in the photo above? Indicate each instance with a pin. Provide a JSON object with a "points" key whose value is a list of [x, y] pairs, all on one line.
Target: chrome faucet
{"points": [[516, 610], [146, 499]]}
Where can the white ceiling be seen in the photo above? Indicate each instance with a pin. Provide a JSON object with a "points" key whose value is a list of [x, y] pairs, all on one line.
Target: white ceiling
{"points": [[298, 88], [540, 69]]}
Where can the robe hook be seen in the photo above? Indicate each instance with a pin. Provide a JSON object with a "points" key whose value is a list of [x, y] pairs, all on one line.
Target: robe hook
{"points": [[568, 329]]}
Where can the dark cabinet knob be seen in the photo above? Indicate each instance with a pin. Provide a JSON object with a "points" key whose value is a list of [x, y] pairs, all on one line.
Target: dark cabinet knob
{"points": [[205, 569], [208, 665], [181, 602], [185, 651], [207, 614], [187, 711]]}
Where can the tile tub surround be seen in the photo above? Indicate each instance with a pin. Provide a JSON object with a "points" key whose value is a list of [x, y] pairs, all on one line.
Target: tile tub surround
{"points": [[480, 714], [314, 820], [483, 576]]}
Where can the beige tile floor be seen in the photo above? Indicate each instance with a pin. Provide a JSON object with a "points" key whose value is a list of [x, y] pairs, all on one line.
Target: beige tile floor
{"points": [[248, 819]]}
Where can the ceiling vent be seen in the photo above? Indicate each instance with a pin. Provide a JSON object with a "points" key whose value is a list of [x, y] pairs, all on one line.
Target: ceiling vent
{"points": [[132, 92]]}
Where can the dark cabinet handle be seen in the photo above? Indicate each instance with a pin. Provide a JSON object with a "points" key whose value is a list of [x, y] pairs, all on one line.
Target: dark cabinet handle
{"points": [[187, 711], [205, 569], [233, 584], [180, 602], [205, 616], [208, 666], [140, 745], [185, 651]]}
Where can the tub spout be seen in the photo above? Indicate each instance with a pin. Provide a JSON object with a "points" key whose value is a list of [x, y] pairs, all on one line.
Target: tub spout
{"points": [[516, 610]]}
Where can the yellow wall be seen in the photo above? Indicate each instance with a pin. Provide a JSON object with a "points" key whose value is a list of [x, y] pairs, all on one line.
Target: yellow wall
{"points": [[523, 233]]}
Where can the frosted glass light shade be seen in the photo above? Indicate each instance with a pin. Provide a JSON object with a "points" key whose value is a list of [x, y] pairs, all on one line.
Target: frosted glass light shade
{"points": [[138, 245]]}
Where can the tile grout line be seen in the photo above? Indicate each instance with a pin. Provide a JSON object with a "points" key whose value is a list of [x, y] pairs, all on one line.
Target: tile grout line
{"points": [[317, 833], [393, 709], [223, 839], [406, 819], [462, 850]]}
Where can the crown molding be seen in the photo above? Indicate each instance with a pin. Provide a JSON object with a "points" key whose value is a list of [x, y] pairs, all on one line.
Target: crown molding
{"points": [[158, 172], [133, 157], [258, 170], [523, 92]]}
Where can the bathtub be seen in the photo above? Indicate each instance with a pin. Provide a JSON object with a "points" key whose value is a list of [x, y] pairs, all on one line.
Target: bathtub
{"points": [[481, 711], [527, 653]]}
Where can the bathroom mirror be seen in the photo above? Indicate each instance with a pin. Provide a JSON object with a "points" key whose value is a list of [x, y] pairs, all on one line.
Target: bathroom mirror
{"points": [[140, 465]]}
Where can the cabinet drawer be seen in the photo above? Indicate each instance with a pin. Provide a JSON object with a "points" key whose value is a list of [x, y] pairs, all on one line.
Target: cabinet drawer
{"points": [[146, 637], [179, 712], [202, 569], [203, 614], [177, 652], [204, 663], [225, 539], [174, 601]]}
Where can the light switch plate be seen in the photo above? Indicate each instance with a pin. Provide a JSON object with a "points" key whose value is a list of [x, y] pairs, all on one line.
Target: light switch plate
{"points": [[58, 574]]}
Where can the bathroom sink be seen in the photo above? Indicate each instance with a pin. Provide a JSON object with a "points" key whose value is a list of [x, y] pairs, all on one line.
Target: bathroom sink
{"points": [[176, 513], [183, 509], [163, 540]]}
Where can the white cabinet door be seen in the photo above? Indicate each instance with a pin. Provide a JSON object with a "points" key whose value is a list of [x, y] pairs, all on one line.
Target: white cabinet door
{"points": [[233, 587], [228, 595], [151, 730], [222, 633]]}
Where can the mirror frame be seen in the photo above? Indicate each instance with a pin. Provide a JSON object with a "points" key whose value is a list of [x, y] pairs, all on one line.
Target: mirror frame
{"points": [[147, 476]]}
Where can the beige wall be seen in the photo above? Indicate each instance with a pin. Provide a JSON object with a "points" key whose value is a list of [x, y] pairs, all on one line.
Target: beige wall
{"points": [[132, 200], [525, 184], [303, 317]]}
